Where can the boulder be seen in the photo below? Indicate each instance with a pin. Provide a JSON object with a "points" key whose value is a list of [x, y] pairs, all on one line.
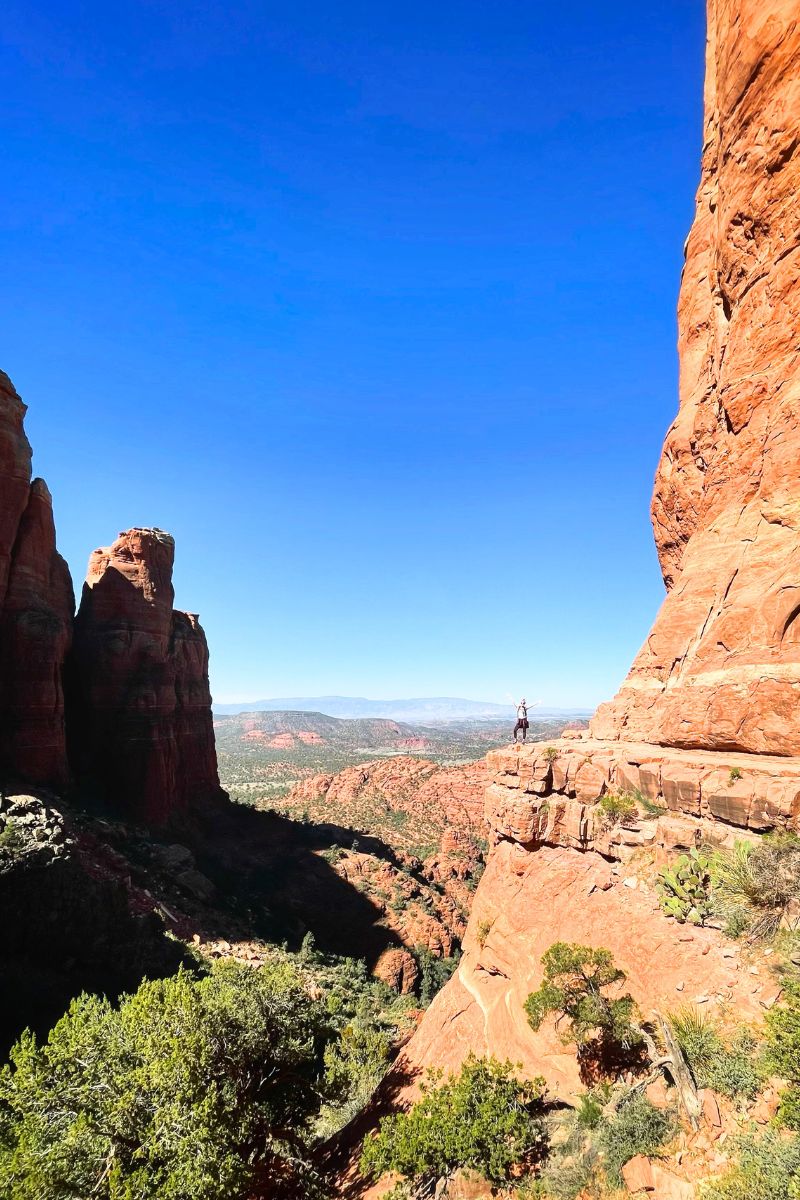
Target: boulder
{"points": [[397, 968], [638, 1175]]}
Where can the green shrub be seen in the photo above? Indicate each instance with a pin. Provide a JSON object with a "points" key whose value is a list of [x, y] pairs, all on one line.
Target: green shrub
{"points": [[355, 1063], [483, 931], [333, 854], [783, 1050], [483, 1118], [550, 754], [563, 1179], [767, 1168], [648, 806], [370, 1018], [575, 980], [616, 808], [189, 1090], [730, 1068], [684, 888], [434, 973], [12, 838], [638, 1127], [589, 1111], [755, 882]]}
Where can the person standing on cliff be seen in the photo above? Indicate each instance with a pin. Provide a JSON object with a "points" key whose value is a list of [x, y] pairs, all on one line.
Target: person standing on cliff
{"points": [[522, 720]]}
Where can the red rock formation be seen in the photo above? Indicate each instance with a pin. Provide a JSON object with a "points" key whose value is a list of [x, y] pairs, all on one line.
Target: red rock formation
{"points": [[141, 734], [437, 797], [36, 608], [721, 667], [554, 874], [710, 712]]}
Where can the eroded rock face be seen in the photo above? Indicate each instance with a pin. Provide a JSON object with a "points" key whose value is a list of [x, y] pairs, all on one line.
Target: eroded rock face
{"points": [[36, 609], [721, 667], [141, 734], [556, 873]]}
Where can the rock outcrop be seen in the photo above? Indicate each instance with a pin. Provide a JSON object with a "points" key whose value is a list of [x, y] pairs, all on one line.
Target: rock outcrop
{"points": [[374, 795], [36, 609], [721, 667], [557, 873], [141, 733]]}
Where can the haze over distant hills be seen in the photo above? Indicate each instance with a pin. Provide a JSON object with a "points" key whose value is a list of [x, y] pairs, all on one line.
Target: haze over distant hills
{"points": [[420, 709]]}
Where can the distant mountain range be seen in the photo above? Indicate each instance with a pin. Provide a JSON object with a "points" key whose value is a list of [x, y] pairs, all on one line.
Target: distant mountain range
{"points": [[422, 710]]}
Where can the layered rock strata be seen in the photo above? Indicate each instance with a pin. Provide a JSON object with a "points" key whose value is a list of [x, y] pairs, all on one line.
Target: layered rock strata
{"points": [[721, 666], [543, 795], [141, 733], [36, 609], [555, 873]]}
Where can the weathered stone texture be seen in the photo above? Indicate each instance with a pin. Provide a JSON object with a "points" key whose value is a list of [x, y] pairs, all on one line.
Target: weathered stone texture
{"points": [[36, 608], [141, 733], [721, 667]]}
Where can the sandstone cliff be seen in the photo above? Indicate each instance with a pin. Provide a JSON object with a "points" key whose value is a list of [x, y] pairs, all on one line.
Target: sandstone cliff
{"points": [[556, 873], [36, 609], [140, 730], [703, 730], [721, 667]]}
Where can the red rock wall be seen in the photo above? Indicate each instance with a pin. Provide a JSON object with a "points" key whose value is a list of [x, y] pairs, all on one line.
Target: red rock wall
{"points": [[141, 734], [721, 667], [36, 609]]}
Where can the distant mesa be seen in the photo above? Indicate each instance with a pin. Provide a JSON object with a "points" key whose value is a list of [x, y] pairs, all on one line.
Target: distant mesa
{"points": [[436, 709]]}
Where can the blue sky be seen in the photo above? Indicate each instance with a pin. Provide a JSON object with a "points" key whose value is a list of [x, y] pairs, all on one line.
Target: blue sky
{"points": [[372, 307]]}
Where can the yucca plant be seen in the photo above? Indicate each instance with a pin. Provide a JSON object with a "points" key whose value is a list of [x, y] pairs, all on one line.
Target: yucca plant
{"points": [[756, 882]]}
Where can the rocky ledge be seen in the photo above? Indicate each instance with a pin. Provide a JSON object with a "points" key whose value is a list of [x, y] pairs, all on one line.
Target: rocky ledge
{"points": [[548, 795], [558, 872]]}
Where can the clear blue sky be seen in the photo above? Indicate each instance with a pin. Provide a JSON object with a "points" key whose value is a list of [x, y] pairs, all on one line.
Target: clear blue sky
{"points": [[370, 305]]}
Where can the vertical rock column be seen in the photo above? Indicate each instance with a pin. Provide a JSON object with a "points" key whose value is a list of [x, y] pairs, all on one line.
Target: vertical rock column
{"points": [[141, 732], [36, 609], [720, 669]]}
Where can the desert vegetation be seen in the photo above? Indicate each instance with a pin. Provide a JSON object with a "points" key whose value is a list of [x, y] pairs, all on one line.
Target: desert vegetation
{"points": [[484, 1118], [219, 1082]]}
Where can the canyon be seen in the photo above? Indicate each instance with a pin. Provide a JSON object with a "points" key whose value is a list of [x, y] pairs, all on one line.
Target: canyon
{"points": [[702, 741]]}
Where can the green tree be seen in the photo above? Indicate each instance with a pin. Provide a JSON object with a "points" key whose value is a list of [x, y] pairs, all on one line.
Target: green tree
{"points": [[433, 973], [576, 979], [783, 1047], [767, 1167], [191, 1089], [484, 1118]]}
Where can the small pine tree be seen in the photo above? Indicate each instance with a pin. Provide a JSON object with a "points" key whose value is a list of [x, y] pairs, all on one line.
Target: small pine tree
{"points": [[783, 1043], [576, 979], [484, 1118]]}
